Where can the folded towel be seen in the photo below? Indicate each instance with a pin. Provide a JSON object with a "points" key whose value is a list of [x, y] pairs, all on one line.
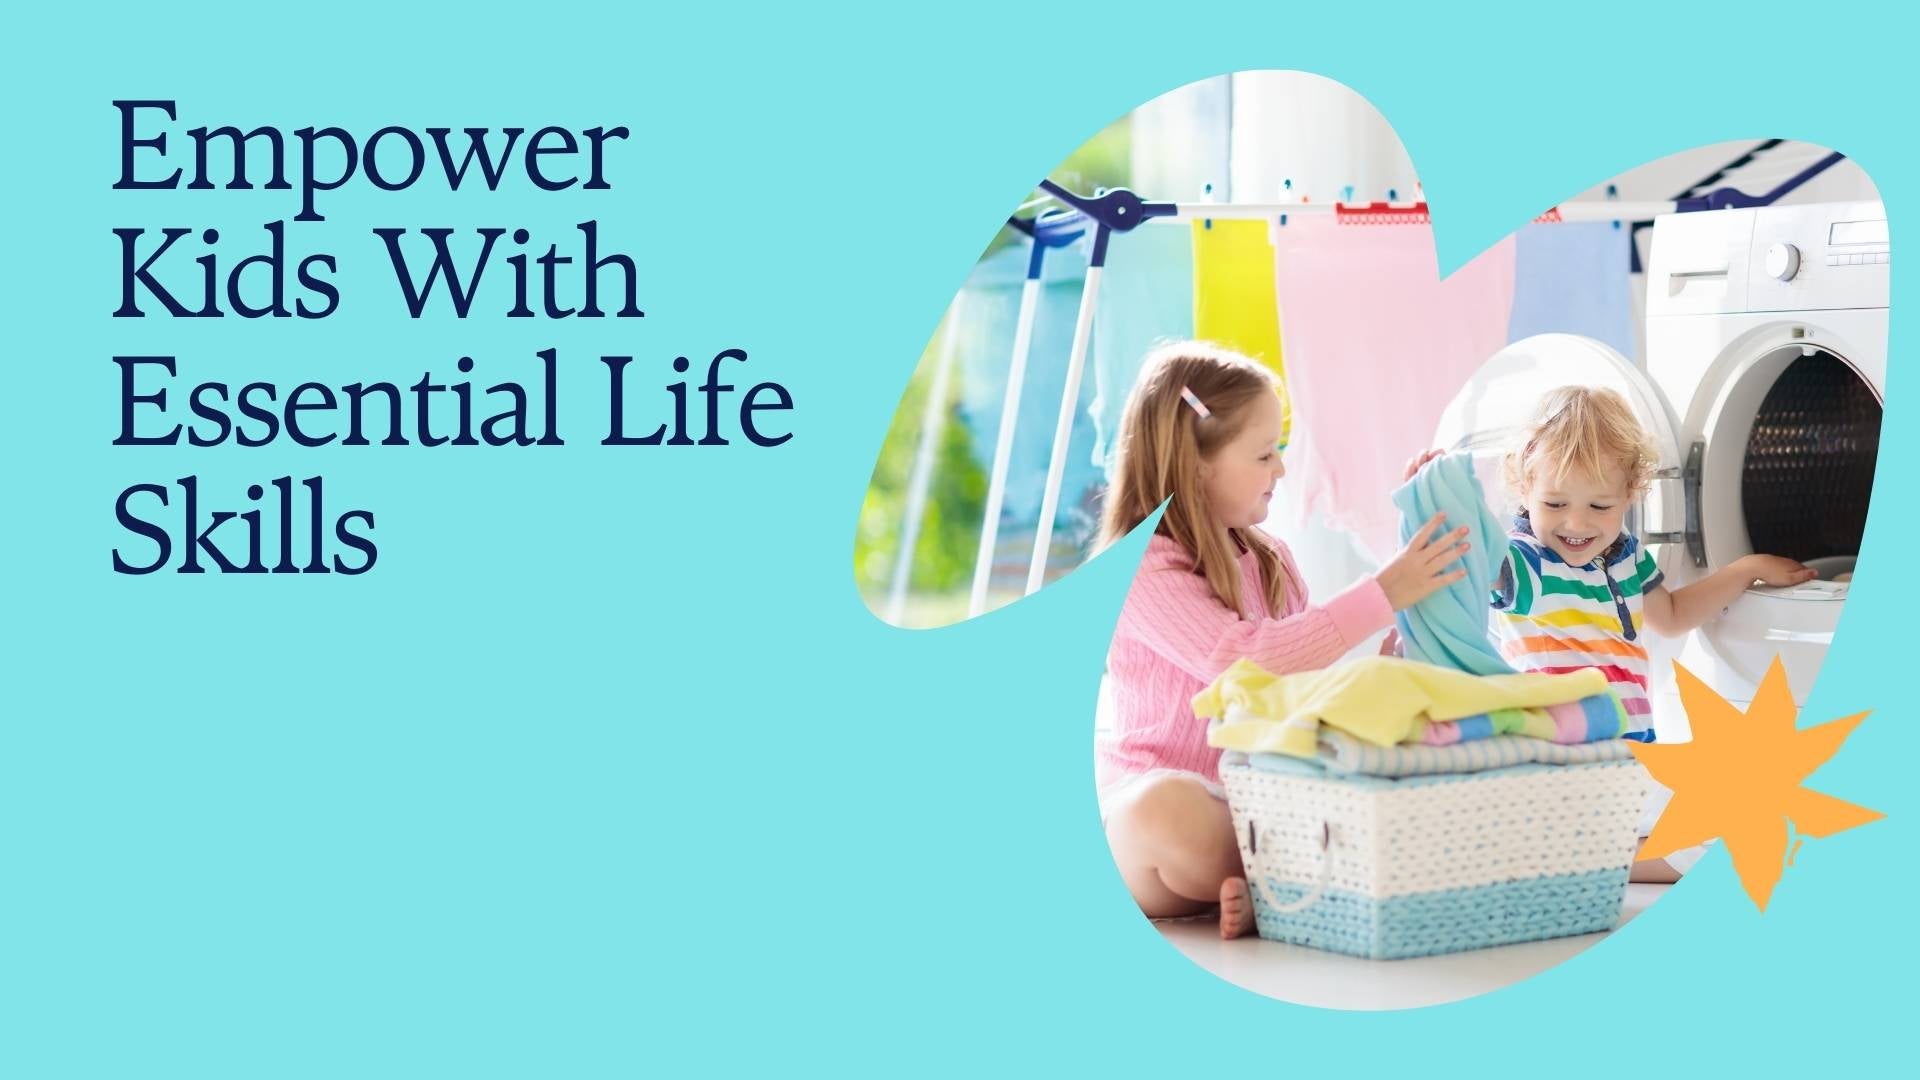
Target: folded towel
{"points": [[1382, 700], [1316, 769], [1341, 753], [1600, 716]]}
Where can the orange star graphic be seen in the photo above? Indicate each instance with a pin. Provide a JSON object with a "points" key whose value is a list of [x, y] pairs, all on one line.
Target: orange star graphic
{"points": [[1739, 780]]}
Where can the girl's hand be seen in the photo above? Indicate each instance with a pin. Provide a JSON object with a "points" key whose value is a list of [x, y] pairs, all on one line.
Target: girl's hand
{"points": [[1775, 570], [1414, 464], [1419, 570]]}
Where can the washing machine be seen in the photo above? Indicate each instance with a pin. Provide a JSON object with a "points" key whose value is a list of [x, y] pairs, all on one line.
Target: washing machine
{"points": [[1763, 387]]}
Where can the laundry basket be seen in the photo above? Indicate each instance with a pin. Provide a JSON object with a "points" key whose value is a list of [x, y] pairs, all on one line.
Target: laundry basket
{"points": [[1413, 867]]}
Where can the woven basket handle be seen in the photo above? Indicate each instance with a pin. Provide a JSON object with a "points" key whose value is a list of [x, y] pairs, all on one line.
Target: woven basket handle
{"points": [[1319, 887]]}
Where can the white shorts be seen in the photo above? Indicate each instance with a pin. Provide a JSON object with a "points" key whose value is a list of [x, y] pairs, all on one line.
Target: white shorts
{"points": [[1123, 784]]}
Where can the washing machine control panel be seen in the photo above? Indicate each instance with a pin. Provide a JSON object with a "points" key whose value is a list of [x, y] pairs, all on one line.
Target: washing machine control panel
{"points": [[1825, 255], [1810, 257], [1858, 243]]}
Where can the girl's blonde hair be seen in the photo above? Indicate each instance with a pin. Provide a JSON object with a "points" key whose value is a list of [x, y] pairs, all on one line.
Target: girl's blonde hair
{"points": [[1583, 430], [1161, 443]]}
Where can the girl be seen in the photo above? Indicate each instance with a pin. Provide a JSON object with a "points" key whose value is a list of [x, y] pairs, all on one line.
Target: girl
{"points": [[1202, 432]]}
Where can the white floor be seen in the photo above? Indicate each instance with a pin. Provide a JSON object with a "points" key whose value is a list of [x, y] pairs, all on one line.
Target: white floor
{"points": [[1311, 977]]}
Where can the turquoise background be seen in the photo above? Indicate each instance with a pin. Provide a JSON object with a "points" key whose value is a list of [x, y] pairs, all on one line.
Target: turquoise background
{"points": [[605, 769]]}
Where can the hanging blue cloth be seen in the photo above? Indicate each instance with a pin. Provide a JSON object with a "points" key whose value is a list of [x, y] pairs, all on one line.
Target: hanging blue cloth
{"points": [[1146, 296], [1571, 277], [984, 351], [1449, 628]]}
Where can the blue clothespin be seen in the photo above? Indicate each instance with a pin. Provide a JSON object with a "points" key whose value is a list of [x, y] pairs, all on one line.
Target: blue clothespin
{"points": [[1207, 223], [1346, 194]]}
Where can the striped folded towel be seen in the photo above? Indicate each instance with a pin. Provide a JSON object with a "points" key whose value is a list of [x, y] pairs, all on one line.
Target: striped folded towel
{"points": [[1342, 753]]}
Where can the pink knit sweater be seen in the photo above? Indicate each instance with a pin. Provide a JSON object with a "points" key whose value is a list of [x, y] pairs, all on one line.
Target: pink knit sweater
{"points": [[1175, 637]]}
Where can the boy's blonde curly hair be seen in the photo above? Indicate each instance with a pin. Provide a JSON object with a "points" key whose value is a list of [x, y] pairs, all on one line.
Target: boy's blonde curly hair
{"points": [[1584, 430]]}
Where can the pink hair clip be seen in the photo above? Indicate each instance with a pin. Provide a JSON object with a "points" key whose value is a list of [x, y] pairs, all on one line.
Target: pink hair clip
{"points": [[1192, 399]]}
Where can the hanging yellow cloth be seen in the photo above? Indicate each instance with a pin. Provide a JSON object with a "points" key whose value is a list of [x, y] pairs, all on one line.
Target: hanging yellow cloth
{"points": [[1234, 303], [1233, 294]]}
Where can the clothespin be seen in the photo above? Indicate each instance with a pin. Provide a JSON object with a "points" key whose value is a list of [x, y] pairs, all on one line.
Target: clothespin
{"points": [[1206, 194], [1346, 194]]}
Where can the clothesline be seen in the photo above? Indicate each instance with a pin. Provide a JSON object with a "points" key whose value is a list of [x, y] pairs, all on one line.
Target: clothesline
{"points": [[1122, 209], [1402, 212], [1381, 213]]}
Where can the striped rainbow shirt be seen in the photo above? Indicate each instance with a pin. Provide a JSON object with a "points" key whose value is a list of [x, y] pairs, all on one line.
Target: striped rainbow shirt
{"points": [[1552, 617]]}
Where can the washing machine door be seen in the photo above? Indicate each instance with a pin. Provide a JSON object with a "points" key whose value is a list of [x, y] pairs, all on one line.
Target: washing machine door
{"points": [[1793, 625], [1791, 429], [1491, 415]]}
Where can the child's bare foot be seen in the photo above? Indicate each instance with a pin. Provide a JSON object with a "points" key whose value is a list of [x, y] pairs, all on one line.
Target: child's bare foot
{"points": [[1236, 908]]}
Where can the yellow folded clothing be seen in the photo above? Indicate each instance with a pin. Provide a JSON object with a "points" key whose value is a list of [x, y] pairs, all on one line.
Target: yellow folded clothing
{"points": [[1383, 700]]}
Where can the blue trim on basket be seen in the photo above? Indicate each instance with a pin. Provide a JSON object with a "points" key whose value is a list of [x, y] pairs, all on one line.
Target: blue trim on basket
{"points": [[1446, 920]]}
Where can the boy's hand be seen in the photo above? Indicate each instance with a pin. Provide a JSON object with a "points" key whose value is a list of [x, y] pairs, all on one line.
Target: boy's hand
{"points": [[1775, 570], [1414, 464]]}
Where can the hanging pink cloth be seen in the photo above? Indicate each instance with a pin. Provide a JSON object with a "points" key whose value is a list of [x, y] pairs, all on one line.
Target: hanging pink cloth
{"points": [[1376, 346]]}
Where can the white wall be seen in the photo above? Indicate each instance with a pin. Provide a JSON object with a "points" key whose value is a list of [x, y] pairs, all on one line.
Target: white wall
{"points": [[1180, 142], [1289, 125]]}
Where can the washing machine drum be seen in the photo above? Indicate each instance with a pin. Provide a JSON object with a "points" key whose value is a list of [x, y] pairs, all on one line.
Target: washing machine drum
{"points": [[1808, 469], [1788, 471]]}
